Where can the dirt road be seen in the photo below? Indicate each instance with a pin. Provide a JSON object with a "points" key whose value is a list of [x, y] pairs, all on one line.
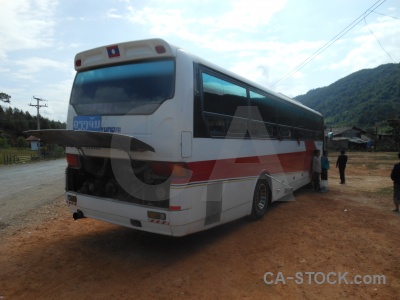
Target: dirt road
{"points": [[323, 241], [26, 187]]}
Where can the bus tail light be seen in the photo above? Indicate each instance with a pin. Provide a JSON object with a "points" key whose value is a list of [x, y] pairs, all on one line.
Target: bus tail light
{"points": [[73, 161], [180, 171], [78, 63], [175, 208], [175, 170], [160, 49]]}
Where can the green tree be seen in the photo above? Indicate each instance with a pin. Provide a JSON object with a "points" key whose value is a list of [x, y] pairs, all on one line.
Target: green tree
{"points": [[9, 119], [21, 143], [3, 143], [15, 121], [5, 98], [395, 124]]}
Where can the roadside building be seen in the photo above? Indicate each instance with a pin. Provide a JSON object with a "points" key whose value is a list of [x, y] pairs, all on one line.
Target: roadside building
{"points": [[349, 137], [35, 142]]}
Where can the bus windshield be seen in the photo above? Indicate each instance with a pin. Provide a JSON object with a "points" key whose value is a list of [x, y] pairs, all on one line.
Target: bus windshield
{"points": [[133, 89]]}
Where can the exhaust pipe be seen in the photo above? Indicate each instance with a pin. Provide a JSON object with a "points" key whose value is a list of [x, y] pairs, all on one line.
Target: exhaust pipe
{"points": [[78, 215]]}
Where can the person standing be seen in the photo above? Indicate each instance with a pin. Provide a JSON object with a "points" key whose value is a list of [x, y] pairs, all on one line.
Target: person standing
{"points": [[341, 164], [395, 176], [325, 165], [316, 170]]}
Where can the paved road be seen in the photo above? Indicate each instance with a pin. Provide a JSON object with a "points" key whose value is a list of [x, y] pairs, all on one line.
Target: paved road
{"points": [[28, 186]]}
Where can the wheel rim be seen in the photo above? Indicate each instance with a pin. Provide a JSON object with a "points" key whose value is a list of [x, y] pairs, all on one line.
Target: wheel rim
{"points": [[262, 200]]}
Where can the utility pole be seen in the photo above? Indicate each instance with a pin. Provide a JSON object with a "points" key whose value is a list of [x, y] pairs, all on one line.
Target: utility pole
{"points": [[38, 106]]}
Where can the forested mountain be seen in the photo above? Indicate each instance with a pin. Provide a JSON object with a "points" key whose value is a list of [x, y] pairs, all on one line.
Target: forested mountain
{"points": [[361, 99]]}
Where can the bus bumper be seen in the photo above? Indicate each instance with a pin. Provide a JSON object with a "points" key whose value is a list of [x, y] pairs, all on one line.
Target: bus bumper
{"points": [[129, 215]]}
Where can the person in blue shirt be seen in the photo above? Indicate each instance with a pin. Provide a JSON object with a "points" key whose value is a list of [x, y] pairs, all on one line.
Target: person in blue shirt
{"points": [[325, 165]]}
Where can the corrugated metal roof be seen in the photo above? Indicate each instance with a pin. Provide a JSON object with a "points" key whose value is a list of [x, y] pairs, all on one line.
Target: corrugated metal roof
{"points": [[339, 130]]}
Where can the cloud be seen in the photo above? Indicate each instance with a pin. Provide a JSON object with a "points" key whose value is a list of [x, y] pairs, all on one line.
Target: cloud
{"points": [[194, 22], [26, 24], [160, 21], [245, 15], [113, 14], [374, 44], [30, 67], [57, 96], [270, 61]]}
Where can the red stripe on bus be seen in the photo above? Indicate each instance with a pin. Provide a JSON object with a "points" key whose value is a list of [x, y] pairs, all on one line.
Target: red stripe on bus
{"points": [[249, 166]]}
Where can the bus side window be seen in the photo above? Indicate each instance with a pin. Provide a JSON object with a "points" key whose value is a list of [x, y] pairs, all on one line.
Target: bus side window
{"points": [[221, 100], [263, 111], [262, 130], [216, 125]]}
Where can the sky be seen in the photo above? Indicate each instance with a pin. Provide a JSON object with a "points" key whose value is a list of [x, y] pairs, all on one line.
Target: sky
{"points": [[264, 41]]}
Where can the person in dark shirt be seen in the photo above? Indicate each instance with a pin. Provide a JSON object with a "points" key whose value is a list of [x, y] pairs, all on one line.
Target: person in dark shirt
{"points": [[341, 164], [395, 176]]}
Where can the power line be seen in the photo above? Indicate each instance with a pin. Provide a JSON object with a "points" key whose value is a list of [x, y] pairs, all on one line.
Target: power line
{"points": [[387, 15], [379, 42], [332, 41]]}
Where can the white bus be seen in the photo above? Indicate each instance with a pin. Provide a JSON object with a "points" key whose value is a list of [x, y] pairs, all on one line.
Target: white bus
{"points": [[163, 141]]}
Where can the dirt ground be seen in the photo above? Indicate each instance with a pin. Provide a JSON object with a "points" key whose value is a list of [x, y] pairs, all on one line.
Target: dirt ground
{"points": [[324, 239]]}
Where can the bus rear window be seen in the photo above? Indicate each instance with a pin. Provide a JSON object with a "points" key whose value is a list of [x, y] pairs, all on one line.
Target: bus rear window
{"points": [[133, 89]]}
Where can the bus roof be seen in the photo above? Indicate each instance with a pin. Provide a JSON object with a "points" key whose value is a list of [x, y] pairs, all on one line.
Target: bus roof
{"points": [[157, 48], [249, 82], [121, 52]]}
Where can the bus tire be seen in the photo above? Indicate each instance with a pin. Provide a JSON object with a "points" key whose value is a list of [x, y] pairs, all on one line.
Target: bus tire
{"points": [[261, 199]]}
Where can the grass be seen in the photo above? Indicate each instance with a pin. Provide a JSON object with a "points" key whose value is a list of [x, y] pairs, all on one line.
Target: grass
{"points": [[12, 151], [385, 191], [17, 151], [52, 152]]}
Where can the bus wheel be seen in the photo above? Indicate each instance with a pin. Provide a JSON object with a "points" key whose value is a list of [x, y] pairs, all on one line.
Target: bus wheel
{"points": [[261, 200]]}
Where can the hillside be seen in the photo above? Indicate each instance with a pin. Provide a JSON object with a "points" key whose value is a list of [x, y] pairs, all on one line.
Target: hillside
{"points": [[361, 99]]}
